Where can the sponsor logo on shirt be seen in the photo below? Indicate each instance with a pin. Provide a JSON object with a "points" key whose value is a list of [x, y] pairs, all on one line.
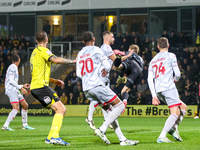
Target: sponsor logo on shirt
{"points": [[49, 52]]}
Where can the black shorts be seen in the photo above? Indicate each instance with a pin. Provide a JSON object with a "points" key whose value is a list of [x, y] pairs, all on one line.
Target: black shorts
{"points": [[134, 71], [45, 95]]}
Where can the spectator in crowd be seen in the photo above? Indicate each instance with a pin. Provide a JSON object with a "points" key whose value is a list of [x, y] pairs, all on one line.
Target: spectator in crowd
{"points": [[198, 100], [136, 42], [124, 27], [22, 54], [71, 99], [181, 69], [81, 99], [61, 90], [189, 73], [146, 43], [142, 87], [7, 40], [1, 39], [128, 38], [22, 40], [173, 40], [181, 41], [153, 45], [147, 54], [198, 39], [165, 34], [134, 26], [114, 28], [189, 86], [125, 45], [186, 53], [69, 87], [190, 60], [179, 86], [187, 98], [16, 40], [46, 27], [195, 67], [2, 72], [140, 99], [113, 79], [196, 52], [63, 98], [78, 91], [185, 63], [133, 36], [74, 79], [148, 98], [10, 44], [118, 41], [145, 72]]}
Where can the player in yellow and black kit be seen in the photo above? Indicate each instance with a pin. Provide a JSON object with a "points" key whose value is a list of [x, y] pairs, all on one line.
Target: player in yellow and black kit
{"points": [[40, 63]]}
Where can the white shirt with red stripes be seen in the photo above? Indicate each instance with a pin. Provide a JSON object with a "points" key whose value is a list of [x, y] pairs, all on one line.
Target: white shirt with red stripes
{"points": [[160, 72]]}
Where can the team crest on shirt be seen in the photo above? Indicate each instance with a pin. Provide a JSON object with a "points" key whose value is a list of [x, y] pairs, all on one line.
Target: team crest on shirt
{"points": [[47, 99]]}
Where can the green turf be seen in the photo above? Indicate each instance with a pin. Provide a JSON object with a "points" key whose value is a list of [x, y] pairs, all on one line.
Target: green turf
{"points": [[80, 136]]}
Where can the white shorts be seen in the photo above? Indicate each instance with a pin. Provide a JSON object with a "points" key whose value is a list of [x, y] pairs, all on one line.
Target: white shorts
{"points": [[15, 97], [171, 97], [100, 95]]}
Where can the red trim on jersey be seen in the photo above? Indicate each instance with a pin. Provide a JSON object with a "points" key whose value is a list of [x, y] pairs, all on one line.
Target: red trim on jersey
{"points": [[22, 100], [14, 103], [175, 65], [110, 101], [97, 104], [175, 105]]}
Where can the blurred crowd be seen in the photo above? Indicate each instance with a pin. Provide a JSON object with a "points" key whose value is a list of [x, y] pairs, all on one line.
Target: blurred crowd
{"points": [[9, 46]]}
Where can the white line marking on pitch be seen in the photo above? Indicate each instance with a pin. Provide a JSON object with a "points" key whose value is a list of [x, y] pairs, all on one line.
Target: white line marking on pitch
{"points": [[92, 135]]}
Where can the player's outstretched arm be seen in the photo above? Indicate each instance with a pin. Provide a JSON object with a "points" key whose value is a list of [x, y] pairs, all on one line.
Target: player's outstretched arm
{"points": [[60, 60], [24, 91], [56, 81]]}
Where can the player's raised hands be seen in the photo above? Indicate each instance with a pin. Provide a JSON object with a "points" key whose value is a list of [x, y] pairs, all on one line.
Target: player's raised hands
{"points": [[155, 101], [26, 86]]}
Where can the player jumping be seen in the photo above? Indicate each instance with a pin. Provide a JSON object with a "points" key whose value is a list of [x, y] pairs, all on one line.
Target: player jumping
{"points": [[162, 86], [89, 67]]}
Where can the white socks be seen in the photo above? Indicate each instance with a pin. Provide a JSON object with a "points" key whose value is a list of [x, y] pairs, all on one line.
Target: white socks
{"points": [[113, 115], [118, 131], [180, 119], [91, 111], [168, 125], [24, 117], [11, 116]]}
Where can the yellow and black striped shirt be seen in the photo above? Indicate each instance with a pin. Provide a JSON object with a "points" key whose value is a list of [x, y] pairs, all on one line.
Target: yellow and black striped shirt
{"points": [[40, 67]]}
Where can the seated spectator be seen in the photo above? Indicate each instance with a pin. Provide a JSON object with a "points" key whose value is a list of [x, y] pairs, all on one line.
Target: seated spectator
{"points": [[125, 45], [22, 40], [179, 86], [8, 61], [1, 39], [147, 54], [190, 60], [186, 53], [82, 99], [145, 72], [16, 40], [146, 43], [189, 86], [185, 64], [133, 36], [189, 73], [188, 99], [196, 52], [2, 54], [153, 45], [7, 40], [78, 91], [2, 72], [136, 42], [195, 67], [74, 79], [10, 44], [69, 87], [63, 98], [113, 79], [118, 41], [148, 99], [71, 99], [142, 87], [128, 38], [76, 86], [140, 99]]}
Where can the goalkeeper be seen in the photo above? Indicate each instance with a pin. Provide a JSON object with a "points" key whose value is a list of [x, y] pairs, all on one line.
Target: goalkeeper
{"points": [[133, 67]]}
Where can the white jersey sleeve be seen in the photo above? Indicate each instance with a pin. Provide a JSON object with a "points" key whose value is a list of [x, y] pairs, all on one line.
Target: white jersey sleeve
{"points": [[175, 67], [161, 69], [89, 63], [11, 80]]}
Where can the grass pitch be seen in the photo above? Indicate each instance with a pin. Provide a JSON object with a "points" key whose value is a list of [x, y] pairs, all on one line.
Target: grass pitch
{"points": [[75, 131]]}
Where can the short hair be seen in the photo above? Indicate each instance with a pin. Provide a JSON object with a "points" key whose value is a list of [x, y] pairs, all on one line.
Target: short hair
{"points": [[162, 42], [15, 58], [135, 47], [88, 36], [106, 33], [41, 36]]}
